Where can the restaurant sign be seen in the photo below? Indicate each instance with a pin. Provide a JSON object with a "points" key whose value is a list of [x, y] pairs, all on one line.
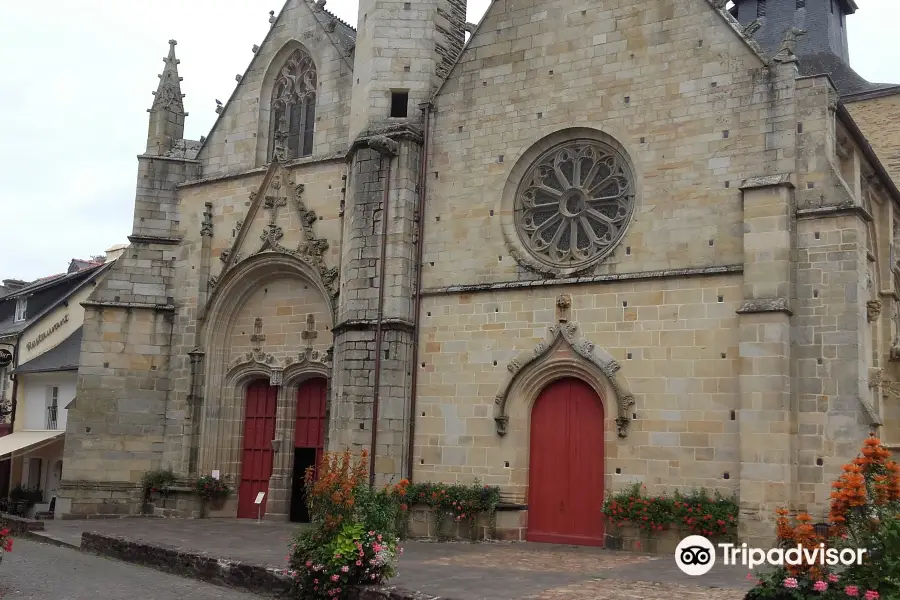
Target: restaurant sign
{"points": [[43, 336]]}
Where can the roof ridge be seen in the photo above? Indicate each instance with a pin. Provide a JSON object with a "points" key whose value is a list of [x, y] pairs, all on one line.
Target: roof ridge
{"points": [[337, 18]]}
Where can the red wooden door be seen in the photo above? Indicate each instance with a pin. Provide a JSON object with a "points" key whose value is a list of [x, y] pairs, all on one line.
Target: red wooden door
{"points": [[259, 431], [566, 466], [309, 431]]}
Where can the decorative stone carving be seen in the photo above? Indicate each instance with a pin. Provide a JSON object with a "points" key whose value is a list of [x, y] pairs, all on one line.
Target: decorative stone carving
{"points": [[276, 377], [895, 351], [331, 25], [786, 53], [873, 309], [258, 337], [573, 205], [223, 256], [876, 377], [563, 304], [566, 333], [384, 145], [206, 227], [752, 27], [272, 17]]}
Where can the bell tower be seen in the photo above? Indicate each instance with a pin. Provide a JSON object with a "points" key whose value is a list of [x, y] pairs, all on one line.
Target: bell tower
{"points": [[825, 22], [404, 50]]}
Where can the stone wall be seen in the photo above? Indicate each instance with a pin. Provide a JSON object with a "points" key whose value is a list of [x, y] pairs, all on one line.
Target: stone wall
{"points": [[676, 340], [877, 118], [241, 137]]}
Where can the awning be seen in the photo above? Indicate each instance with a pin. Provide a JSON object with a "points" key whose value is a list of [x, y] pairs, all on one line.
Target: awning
{"points": [[20, 440]]}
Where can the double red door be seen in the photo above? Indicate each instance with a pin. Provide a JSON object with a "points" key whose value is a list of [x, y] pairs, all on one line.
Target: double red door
{"points": [[566, 466], [258, 454]]}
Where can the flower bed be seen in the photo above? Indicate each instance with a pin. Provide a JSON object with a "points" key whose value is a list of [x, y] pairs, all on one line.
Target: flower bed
{"points": [[655, 524], [444, 511], [865, 513]]}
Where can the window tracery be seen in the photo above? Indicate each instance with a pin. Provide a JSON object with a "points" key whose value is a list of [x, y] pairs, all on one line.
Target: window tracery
{"points": [[574, 204], [294, 108]]}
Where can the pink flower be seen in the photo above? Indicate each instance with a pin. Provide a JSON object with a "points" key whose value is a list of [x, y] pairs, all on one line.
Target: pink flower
{"points": [[871, 595], [371, 533], [852, 590], [401, 550], [337, 555], [359, 563], [749, 577], [833, 578], [790, 582], [334, 578], [820, 586], [309, 563], [344, 569], [316, 581]]}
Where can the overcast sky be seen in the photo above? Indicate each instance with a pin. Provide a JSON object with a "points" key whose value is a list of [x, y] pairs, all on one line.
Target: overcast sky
{"points": [[77, 77]]}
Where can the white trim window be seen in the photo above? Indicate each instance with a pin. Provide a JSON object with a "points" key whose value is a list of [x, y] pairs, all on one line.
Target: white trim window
{"points": [[21, 309], [52, 407]]}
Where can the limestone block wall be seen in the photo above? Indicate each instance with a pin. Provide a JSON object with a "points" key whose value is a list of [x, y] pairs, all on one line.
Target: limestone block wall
{"points": [[669, 80], [116, 428], [240, 138], [676, 342], [878, 118]]}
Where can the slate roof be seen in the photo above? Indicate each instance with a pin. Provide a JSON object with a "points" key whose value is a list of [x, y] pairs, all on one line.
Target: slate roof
{"points": [[68, 283], [63, 357], [846, 80]]}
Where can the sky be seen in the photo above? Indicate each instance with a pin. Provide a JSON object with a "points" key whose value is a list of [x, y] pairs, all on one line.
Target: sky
{"points": [[77, 80]]}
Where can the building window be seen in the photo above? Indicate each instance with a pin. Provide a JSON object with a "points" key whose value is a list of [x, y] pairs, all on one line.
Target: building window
{"points": [[574, 204], [21, 307], [399, 103], [801, 3], [760, 8], [52, 406], [294, 108], [832, 6]]}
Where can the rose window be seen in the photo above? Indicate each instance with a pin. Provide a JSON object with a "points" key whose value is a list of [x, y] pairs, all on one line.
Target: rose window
{"points": [[574, 204]]}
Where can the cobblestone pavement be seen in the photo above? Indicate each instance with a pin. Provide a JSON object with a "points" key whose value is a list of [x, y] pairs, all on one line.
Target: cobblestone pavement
{"points": [[44, 572], [458, 571]]}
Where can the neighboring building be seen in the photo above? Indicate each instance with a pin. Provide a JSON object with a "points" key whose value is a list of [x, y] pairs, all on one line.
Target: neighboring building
{"points": [[42, 322], [648, 250]]}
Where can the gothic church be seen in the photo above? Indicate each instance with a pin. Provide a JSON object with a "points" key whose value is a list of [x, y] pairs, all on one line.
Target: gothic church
{"points": [[601, 242]]}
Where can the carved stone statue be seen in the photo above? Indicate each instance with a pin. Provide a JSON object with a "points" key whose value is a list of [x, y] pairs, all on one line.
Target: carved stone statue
{"points": [[281, 136], [786, 53], [751, 28], [873, 309], [384, 145]]}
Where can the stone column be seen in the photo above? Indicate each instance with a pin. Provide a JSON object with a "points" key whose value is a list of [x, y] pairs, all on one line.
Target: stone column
{"points": [[278, 504], [767, 415]]}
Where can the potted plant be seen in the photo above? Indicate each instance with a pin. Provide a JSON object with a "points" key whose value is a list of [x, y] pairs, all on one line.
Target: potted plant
{"points": [[212, 491], [158, 483]]}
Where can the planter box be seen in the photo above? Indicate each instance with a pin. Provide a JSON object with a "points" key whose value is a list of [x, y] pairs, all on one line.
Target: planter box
{"points": [[423, 525], [633, 539]]}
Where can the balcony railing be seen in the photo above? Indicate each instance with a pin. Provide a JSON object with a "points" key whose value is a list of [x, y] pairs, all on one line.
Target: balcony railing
{"points": [[51, 417]]}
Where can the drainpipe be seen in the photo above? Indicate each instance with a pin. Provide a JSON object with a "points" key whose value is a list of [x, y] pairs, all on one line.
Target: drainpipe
{"points": [[15, 386], [417, 298], [375, 399]]}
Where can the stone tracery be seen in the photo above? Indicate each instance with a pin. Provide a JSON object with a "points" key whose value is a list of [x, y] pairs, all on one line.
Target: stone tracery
{"points": [[574, 203], [294, 108]]}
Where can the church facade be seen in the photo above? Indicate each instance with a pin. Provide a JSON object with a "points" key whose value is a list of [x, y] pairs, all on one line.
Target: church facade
{"points": [[599, 243]]}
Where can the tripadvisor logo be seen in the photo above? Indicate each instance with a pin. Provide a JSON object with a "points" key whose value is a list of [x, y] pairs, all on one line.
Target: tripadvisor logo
{"points": [[696, 555]]}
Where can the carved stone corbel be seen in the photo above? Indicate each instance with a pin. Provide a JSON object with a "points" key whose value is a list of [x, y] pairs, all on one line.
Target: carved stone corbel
{"points": [[873, 309]]}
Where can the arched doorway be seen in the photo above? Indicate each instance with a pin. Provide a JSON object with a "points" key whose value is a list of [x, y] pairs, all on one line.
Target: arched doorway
{"points": [[257, 453], [566, 465], [309, 441]]}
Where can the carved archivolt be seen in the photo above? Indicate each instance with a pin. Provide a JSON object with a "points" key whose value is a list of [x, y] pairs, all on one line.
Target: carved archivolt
{"points": [[583, 348]]}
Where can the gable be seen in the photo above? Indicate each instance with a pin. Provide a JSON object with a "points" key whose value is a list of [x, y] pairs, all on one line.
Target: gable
{"points": [[672, 85], [240, 138]]}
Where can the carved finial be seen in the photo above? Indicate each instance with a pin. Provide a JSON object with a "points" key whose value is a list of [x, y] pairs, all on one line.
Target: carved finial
{"points": [[331, 25], [271, 17], [470, 27], [255, 48], [238, 77], [320, 4], [168, 95], [751, 28]]}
